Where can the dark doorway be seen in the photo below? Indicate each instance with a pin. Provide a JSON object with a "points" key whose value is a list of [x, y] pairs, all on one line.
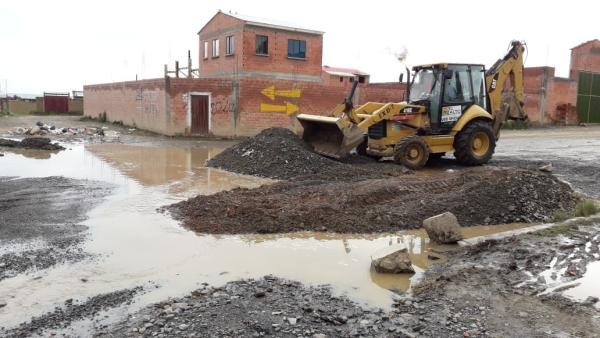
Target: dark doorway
{"points": [[200, 114]]}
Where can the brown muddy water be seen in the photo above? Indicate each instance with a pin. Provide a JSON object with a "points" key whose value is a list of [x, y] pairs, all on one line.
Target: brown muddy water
{"points": [[135, 244]]}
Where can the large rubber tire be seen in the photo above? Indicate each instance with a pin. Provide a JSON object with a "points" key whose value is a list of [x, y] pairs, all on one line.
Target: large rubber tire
{"points": [[361, 149], [412, 152], [475, 144]]}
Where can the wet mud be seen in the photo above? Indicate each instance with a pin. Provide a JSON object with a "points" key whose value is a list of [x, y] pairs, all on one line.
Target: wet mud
{"points": [[40, 221], [484, 195], [39, 143]]}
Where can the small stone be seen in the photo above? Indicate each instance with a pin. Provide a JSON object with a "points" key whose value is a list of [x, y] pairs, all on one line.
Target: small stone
{"points": [[259, 293], [292, 320], [84, 280], [182, 327], [523, 314], [2, 304], [396, 262], [546, 168]]}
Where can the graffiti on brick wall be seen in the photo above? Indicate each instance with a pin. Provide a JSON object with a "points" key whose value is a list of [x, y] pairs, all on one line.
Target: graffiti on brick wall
{"points": [[147, 101], [285, 106], [222, 104], [218, 104]]}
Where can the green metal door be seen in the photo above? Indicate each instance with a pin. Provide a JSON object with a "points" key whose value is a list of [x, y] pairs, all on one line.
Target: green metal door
{"points": [[588, 97]]}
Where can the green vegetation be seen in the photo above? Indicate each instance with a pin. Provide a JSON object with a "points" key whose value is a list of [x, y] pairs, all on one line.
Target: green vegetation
{"points": [[554, 231], [586, 208], [560, 216], [101, 118]]}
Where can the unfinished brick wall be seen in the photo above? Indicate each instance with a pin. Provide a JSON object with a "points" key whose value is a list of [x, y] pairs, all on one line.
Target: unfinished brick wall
{"points": [[237, 107], [585, 57], [136, 103]]}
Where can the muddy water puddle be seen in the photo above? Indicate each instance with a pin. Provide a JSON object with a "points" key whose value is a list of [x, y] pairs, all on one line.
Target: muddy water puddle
{"points": [[134, 244]]}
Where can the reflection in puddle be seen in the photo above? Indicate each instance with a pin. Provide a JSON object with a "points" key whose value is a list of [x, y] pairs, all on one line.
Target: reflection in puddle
{"points": [[136, 244], [588, 286]]}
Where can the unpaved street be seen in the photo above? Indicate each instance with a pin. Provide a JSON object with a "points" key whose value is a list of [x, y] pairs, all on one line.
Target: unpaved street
{"points": [[87, 249]]}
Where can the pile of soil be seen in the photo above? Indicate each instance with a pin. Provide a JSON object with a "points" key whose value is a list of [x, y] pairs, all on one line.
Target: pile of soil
{"points": [[280, 154], [484, 195], [41, 143]]}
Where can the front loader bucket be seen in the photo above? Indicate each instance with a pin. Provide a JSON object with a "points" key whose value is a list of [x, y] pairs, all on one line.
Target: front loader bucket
{"points": [[327, 137]]}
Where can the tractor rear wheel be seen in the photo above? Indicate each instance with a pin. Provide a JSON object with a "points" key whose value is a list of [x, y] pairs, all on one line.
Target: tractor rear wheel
{"points": [[475, 144], [412, 152]]}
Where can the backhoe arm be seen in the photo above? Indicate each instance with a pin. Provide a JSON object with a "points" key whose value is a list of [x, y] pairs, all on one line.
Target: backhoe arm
{"points": [[508, 105]]}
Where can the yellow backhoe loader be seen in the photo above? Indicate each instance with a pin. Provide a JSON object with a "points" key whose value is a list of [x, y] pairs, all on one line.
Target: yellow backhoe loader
{"points": [[450, 107]]}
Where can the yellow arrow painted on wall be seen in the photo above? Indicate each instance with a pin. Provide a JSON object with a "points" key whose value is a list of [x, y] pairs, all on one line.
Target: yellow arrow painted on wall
{"points": [[271, 92], [288, 108]]}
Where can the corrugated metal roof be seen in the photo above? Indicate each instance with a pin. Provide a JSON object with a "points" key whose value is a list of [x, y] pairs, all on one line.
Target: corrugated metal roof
{"points": [[273, 23], [585, 43], [346, 71]]}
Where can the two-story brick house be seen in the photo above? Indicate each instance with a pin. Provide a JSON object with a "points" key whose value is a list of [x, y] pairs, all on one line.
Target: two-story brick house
{"points": [[232, 45]]}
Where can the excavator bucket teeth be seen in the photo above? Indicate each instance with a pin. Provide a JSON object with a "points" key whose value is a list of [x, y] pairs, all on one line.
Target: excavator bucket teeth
{"points": [[327, 138]]}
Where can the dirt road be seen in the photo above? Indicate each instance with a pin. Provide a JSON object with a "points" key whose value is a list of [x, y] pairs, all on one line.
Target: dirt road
{"points": [[84, 280]]}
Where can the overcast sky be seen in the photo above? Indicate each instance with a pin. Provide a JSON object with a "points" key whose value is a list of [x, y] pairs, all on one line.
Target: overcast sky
{"points": [[61, 45]]}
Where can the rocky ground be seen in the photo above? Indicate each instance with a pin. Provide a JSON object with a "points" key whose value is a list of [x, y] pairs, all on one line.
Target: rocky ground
{"points": [[40, 221], [485, 290], [63, 316]]}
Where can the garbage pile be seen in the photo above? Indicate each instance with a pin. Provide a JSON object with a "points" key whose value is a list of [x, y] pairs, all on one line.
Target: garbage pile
{"points": [[42, 129]]}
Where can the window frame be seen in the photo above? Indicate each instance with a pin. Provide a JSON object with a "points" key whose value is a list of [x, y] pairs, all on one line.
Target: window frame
{"points": [[229, 45], [256, 44], [215, 48], [206, 50], [301, 45]]}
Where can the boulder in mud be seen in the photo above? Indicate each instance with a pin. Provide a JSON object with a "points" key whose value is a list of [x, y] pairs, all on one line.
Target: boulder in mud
{"points": [[396, 262], [443, 228]]}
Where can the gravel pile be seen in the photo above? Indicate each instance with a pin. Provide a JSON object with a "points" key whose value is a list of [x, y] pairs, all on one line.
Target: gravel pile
{"points": [[280, 154], [477, 196], [255, 308]]}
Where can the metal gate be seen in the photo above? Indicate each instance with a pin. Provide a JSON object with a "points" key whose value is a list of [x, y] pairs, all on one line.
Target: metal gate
{"points": [[588, 97], [56, 102], [200, 114]]}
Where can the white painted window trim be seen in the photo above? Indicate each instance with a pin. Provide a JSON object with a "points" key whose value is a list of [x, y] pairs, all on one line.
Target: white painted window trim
{"points": [[189, 110]]}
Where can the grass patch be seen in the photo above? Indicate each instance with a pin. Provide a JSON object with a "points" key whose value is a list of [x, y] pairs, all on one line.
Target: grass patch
{"points": [[554, 231], [101, 118], [586, 208], [560, 216]]}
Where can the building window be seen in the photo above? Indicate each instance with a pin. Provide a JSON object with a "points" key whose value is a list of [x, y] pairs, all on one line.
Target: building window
{"points": [[297, 49], [215, 48], [361, 79], [206, 49], [262, 45], [229, 45]]}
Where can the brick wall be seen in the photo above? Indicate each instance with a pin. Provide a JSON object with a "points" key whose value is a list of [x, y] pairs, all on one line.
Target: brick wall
{"points": [[219, 28], [278, 61], [136, 103], [585, 57], [559, 92], [244, 62]]}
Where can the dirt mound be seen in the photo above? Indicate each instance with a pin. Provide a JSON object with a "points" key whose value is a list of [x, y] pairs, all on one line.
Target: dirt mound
{"points": [[280, 154], [477, 196], [41, 143]]}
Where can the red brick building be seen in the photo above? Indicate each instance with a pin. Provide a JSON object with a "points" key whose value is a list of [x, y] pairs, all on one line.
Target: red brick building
{"points": [[253, 74], [554, 100]]}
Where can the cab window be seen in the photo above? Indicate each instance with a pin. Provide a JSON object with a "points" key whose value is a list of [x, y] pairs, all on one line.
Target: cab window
{"points": [[457, 87]]}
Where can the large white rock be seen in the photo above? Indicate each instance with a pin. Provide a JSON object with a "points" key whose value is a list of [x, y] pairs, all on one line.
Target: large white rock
{"points": [[443, 228]]}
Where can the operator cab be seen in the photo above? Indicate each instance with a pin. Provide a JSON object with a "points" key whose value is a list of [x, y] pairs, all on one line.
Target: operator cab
{"points": [[447, 90]]}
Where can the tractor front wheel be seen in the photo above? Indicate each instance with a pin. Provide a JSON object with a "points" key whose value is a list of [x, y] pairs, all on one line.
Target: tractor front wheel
{"points": [[412, 152]]}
